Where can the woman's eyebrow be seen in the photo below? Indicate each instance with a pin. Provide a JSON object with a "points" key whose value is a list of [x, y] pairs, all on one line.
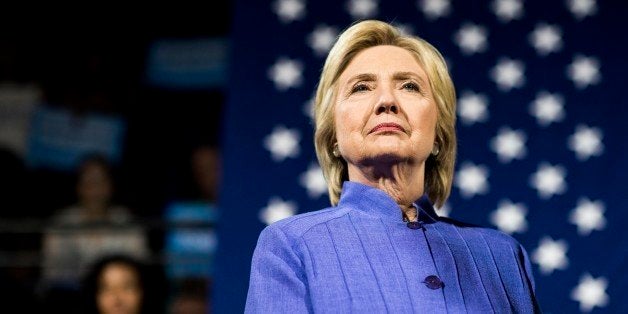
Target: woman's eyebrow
{"points": [[397, 76], [363, 77]]}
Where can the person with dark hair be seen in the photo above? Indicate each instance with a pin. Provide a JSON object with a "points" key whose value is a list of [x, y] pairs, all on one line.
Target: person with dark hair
{"points": [[120, 284]]}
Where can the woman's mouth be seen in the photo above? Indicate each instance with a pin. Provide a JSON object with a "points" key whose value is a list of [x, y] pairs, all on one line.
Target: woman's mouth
{"points": [[387, 127]]}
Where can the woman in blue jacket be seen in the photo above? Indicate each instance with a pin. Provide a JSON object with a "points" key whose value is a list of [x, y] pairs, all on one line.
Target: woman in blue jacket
{"points": [[385, 139]]}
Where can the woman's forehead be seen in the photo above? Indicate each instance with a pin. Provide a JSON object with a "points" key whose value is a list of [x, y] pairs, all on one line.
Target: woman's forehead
{"points": [[383, 60]]}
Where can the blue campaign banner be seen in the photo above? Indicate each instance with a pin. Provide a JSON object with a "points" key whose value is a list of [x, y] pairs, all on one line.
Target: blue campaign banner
{"points": [[187, 64], [191, 242], [59, 139]]}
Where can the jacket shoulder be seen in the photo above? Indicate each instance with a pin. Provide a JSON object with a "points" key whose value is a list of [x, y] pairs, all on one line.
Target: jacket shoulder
{"points": [[296, 226], [490, 234]]}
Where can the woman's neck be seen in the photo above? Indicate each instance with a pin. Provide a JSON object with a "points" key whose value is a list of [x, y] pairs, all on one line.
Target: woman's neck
{"points": [[401, 181]]}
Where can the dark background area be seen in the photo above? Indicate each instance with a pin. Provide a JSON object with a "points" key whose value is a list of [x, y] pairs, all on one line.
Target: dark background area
{"points": [[99, 66]]}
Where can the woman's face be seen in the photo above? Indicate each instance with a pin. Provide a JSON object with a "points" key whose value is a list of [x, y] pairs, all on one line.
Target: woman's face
{"points": [[384, 111], [94, 184], [119, 290]]}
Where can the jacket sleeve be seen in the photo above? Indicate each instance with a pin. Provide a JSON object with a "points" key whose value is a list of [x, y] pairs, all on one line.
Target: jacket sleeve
{"points": [[277, 283], [529, 277]]}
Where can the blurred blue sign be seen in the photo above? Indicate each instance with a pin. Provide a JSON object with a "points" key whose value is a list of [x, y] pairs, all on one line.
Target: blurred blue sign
{"points": [[59, 139], [191, 243], [187, 64]]}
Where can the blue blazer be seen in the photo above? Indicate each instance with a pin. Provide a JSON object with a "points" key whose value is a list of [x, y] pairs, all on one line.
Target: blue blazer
{"points": [[361, 257]]}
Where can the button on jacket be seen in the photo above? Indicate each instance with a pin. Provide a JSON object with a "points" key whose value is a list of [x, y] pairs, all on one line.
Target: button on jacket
{"points": [[360, 256]]}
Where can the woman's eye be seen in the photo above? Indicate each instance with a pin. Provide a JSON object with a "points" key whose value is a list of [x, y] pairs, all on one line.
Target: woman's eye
{"points": [[411, 87], [360, 88]]}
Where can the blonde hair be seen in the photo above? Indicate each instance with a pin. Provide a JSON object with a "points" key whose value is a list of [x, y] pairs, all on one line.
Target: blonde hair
{"points": [[439, 169]]}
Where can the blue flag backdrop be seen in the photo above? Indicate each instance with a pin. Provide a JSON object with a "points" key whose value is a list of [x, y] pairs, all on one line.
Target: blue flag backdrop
{"points": [[542, 111]]}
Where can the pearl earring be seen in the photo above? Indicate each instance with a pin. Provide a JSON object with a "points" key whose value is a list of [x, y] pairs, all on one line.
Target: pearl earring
{"points": [[435, 149], [335, 151]]}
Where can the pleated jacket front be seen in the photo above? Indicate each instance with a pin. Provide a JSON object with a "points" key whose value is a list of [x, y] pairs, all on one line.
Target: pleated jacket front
{"points": [[360, 256]]}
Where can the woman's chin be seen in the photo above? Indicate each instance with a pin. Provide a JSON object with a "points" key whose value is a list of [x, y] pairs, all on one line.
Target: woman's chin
{"points": [[381, 155], [390, 152], [388, 146]]}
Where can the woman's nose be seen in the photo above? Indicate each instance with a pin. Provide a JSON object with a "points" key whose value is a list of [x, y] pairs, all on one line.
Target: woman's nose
{"points": [[387, 103]]}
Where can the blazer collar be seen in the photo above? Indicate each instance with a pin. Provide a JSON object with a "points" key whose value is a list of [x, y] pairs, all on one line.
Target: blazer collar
{"points": [[376, 202]]}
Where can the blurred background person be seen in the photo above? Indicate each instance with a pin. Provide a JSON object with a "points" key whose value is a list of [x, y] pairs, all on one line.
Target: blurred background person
{"points": [[190, 296], [191, 241], [122, 285], [205, 163], [89, 229]]}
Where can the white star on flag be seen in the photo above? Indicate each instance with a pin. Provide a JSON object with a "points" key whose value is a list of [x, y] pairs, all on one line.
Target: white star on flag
{"points": [[551, 255], [322, 38], [308, 108], [276, 210], [283, 143], [549, 180], [584, 71], [313, 181], [289, 10], [546, 39], [590, 292], [286, 73], [471, 38], [582, 8], [508, 74], [472, 108], [547, 108], [586, 142], [472, 179], [588, 216], [434, 9], [510, 217], [507, 10], [509, 144], [443, 211], [362, 9]]}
